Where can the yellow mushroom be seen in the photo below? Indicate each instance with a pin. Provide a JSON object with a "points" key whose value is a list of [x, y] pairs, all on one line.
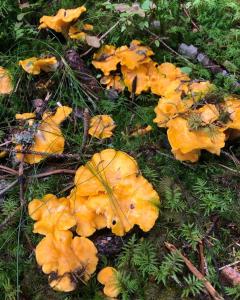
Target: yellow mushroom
{"points": [[51, 214], [108, 277], [6, 86], [48, 137], [35, 65], [62, 20], [66, 259], [101, 126]]}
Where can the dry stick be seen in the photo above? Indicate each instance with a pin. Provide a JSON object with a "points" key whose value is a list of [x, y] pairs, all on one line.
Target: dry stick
{"points": [[101, 37], [49, 173], [86, 119], [166, 46], [188, 15], [51, 155], [8, 187], [230, 265], [8, 170], [211, 290], [203, 265]]}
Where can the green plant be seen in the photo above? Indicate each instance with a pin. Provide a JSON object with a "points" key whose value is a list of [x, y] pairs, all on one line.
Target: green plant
{"points": [[193, 286]]}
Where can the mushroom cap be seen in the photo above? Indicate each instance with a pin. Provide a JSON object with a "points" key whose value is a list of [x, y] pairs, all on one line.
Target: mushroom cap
{"points": [[87, 27], [168, 80], [142, 73], [25, 116], [133, 56], [192, 156], [101, 126], [64, 283], [86, 219], [103, 171], [208, 113], [108, 277], [50, 214], [61, 254], [76, 34], [105, 59], [6, 86], [182, 138], [113, 81], [35, 65], [132, 201], [169, 107], [232, 106], [48, 137], [62, 20]]}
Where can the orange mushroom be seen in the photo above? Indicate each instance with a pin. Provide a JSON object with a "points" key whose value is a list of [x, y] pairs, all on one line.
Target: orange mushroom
{"points": [[62, 20], [48, 137], [138, 80], [66, 259], [108, 277], [141, 131], [101, 126], [87, 220], [51, 214], [134, 55], [25, 116], [106, 169], [6, 86], [105, 59], [35, 65], [133, 201], [182, 139], [115, 82], [76, 34], [109, 193]]}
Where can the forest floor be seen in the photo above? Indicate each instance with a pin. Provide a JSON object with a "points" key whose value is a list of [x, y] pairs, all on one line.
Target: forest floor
{"points": [[199, 202]]}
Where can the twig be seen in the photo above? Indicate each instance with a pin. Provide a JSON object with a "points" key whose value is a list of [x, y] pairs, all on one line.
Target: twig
{"points": [[168, 47], [101, 38], [53, 172], [2, 192], [86, 119], [188, 15], [211, 290], [6, 143], [203, 264], [51, 155], [8, 170], [230, 265]]}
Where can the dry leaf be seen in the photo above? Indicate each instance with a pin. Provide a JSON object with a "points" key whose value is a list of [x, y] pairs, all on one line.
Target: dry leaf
{"points": [[93, 41]]}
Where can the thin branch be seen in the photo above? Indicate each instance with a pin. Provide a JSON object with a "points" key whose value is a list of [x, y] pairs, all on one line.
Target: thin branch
{"points": [[8, 170], [168, 47], [2, 192], [51, 155], [211, 290], [53, 172]]}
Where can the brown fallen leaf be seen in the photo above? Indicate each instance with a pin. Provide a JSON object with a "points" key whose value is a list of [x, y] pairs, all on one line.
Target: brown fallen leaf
{"points": [[93, 41]]}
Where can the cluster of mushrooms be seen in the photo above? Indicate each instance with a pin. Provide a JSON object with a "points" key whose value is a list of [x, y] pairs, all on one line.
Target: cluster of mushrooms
{"points": [[109, 190], [194, 122]]}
